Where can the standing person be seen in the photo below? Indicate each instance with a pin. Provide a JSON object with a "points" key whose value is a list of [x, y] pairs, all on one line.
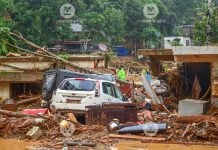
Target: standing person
{"points": [[148, 76], [121, 73]]}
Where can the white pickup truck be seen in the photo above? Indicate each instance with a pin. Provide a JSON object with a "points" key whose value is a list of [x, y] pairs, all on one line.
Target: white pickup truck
{"points": [[73, 94]]}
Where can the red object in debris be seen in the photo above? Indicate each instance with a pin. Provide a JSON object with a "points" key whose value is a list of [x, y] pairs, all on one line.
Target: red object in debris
{"points": [[35, 111], [126, 88]]}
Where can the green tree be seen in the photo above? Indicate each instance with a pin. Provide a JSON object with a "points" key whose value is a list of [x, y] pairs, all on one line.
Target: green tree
{"points": [[186, 9], [104, 22], [114, 25], [109, 21], [38, 20], [201, 25], [6, 6], [6, 40], [133, 16]]}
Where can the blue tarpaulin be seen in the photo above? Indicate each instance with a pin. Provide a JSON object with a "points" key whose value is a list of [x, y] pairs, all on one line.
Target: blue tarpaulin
{"points": [[121, 51]]}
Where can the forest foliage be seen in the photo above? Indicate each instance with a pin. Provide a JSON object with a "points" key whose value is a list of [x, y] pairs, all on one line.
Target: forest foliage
{"points": [[109, 21]]}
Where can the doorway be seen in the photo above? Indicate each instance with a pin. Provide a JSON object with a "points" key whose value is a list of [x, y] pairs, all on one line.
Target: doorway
{"points": [[203, 73]]}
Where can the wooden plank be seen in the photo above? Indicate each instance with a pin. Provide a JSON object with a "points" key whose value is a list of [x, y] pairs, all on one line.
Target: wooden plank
{"points": [[135, 137], [157, 54], [162, 57]]}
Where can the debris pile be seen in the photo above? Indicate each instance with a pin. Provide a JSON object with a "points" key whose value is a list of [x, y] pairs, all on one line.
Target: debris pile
{"points": [[22, 102], [154, 120], [46, 128]]}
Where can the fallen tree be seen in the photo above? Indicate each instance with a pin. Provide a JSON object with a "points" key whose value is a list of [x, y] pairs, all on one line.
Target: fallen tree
{"points": [[196, 119], [29, 100], [15, 114], [45, 53]]}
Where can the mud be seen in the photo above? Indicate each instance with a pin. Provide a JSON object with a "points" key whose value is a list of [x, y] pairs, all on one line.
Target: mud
{"points": [[158, 146], [13, 144]]}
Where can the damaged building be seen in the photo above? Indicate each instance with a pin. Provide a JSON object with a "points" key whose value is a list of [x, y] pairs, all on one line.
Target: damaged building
{"points": [[200, 62], [23, 75]]}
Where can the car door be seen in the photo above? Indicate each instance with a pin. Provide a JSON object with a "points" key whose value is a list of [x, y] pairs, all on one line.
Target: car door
{"points": [[107, 92], [119, 97], [110, 93]]}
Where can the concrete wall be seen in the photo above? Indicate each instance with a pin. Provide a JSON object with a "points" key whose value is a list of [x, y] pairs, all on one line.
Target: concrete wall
{"points": [[195, 50], [4, 90], [28, 76], [44, 65], [89, 64], [21, 64], [214, 80], [11, 66]]}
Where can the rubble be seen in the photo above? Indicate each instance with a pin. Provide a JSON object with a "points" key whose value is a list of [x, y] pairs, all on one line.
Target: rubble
{"points": [[66, 128], [34, 133], [114, 125], [140, 138], [180, 129], [56, 131], [24, 100], [68, 143]]}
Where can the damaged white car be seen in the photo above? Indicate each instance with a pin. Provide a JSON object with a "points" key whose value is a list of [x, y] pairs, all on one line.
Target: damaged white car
{"points": [[73, 94]]}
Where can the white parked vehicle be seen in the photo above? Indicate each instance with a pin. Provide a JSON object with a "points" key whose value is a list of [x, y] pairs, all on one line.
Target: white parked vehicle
{"points": [[75, 93]]}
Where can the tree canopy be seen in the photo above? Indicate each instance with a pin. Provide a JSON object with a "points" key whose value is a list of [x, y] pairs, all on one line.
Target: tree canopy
{"points": [[202, 23], [109, 21]]}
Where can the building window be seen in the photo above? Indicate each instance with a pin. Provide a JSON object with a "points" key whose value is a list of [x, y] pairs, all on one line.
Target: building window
{"points": [[108, 89]]}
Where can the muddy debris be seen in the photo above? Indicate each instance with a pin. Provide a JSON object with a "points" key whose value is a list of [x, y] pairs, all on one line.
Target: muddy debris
{"points": [[15, 125], [104, 124]]}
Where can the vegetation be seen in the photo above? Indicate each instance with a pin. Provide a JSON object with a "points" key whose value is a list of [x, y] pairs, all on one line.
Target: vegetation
{"points": [[108, 21], [201, 25], [64, 55], [6, 40]]}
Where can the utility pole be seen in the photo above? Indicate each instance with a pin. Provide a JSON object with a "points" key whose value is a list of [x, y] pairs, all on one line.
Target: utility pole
{"points": [[209, 14]]}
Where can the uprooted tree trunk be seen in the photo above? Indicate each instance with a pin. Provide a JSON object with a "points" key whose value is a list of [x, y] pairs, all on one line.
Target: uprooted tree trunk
{"points": [[20, 115], [196, 119], [14, 114], [53, 56], [45, 51], [29, 100]]}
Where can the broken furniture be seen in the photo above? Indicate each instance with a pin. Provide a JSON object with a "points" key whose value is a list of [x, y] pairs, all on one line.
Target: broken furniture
{"points": [[102, 115]]}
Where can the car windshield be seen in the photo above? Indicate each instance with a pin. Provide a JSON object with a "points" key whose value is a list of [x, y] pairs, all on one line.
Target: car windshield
{"points": [[78, 85], [107, 77]]}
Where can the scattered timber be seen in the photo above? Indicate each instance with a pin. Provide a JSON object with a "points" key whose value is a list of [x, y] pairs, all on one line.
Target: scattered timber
{"points": [[134, 137]]}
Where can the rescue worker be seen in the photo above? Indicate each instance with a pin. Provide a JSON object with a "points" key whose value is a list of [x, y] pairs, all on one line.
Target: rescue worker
{"points": [[121, 73], [148, 76]]}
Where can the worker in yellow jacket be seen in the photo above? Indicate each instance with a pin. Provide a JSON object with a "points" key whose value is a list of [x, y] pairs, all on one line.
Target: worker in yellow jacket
{"points": [[121, 73]]}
